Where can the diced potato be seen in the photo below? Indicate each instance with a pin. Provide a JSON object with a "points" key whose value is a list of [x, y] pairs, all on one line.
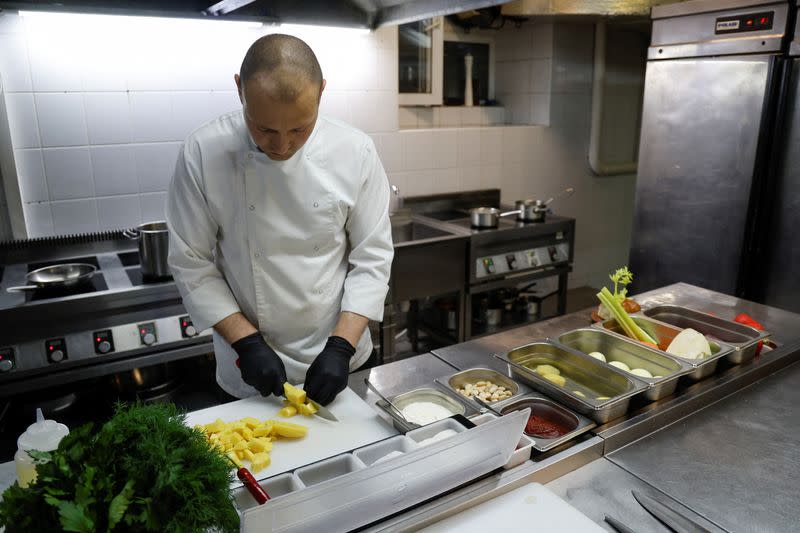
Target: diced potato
{"points": [[307, 409], [215, 427], [247, 433], [294, 395], [259, 445], [248, 455], [288, 411], [263, 430], [233, 457], [259, 462], [241, 445], [287, 429], [251, 422]]}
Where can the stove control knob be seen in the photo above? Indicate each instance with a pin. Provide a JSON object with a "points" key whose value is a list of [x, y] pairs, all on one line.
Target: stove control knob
{"points": [[104, 347], [148, 339], [6, 365], [191, 331], [57, 356]]}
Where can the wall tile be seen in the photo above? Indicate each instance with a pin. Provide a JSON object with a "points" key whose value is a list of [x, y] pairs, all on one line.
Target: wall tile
{"points": [[521, 76], [444, 145], [38, 218], [334, 104], [450, 117], [416, 149], [373, 111], [424, 117], [22, 120], [513, 144], [223, 102], [470, 178], [106, 68], [74, 216], [14, 64], [114, 170], [55, 66], [30, 173], [407, 117], [190, 110], [540, 75], [150, 116], [542, 43], [391, 152], [472, 116], [69, 173], [62, 120], [387, 70], [495, 116], [153, 206], [540, 109], [108, 118], [155, 164], [491, 176], [118, 212], [11, 23], [491, 146], [468, 149]]}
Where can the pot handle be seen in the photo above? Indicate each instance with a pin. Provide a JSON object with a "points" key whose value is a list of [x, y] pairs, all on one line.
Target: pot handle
{"points": [[22, 288], [515, 212], [132, 233]]}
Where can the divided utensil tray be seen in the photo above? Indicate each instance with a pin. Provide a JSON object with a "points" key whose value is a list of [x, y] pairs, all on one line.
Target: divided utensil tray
{"points": [[351, 490]]}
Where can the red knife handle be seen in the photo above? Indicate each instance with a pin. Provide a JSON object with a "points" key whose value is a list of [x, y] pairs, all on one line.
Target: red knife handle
{"points": [[247, 479]]}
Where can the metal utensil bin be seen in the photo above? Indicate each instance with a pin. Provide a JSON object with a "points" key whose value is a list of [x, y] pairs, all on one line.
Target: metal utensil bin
{"points": [[664, 334], [606, 391], [743, 339], [635, 355]]}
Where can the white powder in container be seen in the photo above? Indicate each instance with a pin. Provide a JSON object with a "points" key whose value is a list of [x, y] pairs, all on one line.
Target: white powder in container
{"points": [[424, 413]]}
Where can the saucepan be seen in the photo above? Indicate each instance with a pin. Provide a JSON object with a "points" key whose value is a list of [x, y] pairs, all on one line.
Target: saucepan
{"points": [[487, 217], [57, 277], [532, 210], [153, 240]]}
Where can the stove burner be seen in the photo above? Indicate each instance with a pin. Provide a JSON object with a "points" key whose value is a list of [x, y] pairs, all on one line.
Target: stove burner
{"points": [[137, 278], [95, 284], [91, 260], [129, 258]]}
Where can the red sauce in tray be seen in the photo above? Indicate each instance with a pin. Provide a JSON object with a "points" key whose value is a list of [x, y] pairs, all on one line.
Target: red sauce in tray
{"points": [[543, 428]]}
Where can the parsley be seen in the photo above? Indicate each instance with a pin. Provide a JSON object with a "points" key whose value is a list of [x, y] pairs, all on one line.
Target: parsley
{"points": [[143, 470]]}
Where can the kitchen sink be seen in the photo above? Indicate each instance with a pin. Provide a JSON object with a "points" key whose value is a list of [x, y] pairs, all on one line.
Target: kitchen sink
{"points": [[411, 230]]}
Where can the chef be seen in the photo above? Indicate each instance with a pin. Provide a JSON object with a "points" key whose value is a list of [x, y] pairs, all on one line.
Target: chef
{"points": [[279, 231]]}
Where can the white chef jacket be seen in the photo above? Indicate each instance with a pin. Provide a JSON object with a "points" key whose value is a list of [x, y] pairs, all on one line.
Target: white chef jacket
{"points": [[290, 244]]}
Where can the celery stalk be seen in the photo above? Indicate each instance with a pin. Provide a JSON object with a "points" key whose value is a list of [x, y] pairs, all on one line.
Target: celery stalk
{"points": [[630, 327]]}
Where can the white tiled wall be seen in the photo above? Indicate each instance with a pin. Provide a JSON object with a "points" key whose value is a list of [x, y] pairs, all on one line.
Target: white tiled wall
{"points": [[96, 129]]}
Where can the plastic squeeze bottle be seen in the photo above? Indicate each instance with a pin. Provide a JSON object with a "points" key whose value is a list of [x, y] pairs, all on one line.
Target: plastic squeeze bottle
{"points": [[44, 436]]}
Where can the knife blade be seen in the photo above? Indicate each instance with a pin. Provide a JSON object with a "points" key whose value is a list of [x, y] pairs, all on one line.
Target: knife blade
{"points": [[676, 521], [322, 411], [619, 526]]}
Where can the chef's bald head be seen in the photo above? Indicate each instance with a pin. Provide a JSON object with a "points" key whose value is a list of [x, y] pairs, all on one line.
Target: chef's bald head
{"points": [[284, 64]]}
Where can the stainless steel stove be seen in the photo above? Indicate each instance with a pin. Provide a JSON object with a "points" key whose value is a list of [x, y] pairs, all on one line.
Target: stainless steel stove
{"points": [[118, 321], [509, 255]]}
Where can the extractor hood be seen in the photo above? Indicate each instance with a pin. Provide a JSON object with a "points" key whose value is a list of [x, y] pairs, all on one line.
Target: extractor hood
{"points": [[350, 13], [566, 8]]}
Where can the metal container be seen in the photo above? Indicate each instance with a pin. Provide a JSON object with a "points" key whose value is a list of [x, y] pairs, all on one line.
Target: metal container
{"points": [[153, 239], [743, 339], [635, 355], [472, 375], [594, 389], [664, 334], [487, 217], [530, 210], [425, 394], [545, 408]]}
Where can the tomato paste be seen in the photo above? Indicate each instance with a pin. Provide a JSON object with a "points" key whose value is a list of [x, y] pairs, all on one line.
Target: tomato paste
{"points": [[543, 428]]}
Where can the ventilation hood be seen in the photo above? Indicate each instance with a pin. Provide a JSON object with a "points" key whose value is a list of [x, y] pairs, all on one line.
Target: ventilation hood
{"points": [[349, 13], [593, 8]]}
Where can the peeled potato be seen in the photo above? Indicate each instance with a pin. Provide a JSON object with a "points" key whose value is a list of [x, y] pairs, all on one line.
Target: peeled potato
{"points": [[620, 365], [641, 372], [598, 355], [547, 369], [555, 378]]}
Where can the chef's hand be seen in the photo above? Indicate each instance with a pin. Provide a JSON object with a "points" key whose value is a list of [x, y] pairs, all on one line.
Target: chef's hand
{"points": [[261, 367], [327, 375]]}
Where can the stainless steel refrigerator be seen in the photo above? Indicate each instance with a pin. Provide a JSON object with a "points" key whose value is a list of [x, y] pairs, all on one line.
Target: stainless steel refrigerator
{"points": [[718, 186]]}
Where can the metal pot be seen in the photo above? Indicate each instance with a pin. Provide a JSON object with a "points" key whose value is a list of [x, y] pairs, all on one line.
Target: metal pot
{"points": [[57, 277], [532, 210], [487, 217], [153, 240]]}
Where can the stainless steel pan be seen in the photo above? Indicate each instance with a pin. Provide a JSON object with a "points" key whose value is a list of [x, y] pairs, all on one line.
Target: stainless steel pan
{"points": [[57, 277], [532, 210], [153, 238], [487, 217]]}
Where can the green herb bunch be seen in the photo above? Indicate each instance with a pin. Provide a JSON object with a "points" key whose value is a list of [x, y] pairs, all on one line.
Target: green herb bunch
{"points": [[143, 470]]}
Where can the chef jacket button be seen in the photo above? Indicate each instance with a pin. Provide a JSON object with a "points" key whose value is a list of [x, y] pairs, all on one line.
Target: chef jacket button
{"points": [[316, 248], [250, 155], [257, 255], [316, 204], [252, 207]]}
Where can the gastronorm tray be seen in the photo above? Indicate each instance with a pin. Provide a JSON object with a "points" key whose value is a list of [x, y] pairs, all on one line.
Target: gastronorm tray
{"points": [[663, 334], [610, 392], [471, 375], [633, 354], [542, 406], [743, 339], [428, 393]]}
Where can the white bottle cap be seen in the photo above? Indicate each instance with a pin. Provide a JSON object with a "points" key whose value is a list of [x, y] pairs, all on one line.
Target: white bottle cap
{"points": [[43, 435]]}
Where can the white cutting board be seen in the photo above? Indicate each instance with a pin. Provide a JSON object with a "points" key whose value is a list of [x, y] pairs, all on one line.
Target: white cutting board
{"points": [[529, 508], [358, 425]]}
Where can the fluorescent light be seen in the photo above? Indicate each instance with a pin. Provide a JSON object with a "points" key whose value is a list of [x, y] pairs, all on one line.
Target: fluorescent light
{"points": [[169, 23], [328, 30]]}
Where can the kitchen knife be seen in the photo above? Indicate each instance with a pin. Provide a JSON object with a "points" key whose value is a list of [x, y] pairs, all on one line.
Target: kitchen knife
{"points": [[619, 526], [323, 411], [671, 518]]}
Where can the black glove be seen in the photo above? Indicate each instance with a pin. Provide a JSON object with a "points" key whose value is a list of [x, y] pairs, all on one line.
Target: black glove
{"points": [[261, 367], [327, 375]]}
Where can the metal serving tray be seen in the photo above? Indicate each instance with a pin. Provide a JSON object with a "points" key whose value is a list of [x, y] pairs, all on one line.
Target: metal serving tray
{"points": [[663, 334], [635, 355], [743, 339], [471, 375], [549, 409], [606, 391], [428, 393]]}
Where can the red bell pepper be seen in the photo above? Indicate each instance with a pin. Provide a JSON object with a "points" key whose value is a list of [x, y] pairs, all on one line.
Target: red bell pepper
{"points": [[747, 320]]}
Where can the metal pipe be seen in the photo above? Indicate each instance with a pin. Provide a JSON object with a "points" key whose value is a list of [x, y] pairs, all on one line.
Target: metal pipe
{"points": [[602, 168]]}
